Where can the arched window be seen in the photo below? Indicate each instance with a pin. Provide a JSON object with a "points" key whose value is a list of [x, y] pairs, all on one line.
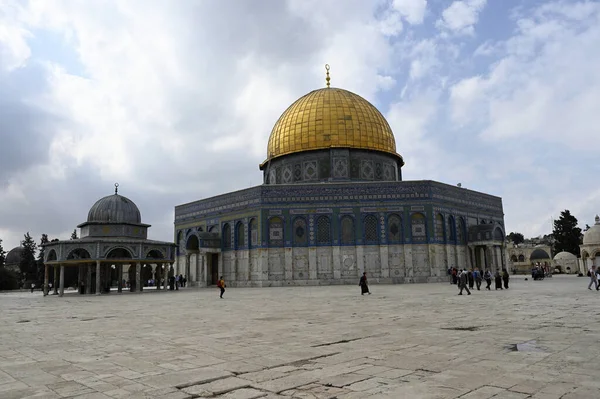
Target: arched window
{"points": [[253, 241], [226, 236], [323, 231], [418, 228], [299, 233], [276, 232], [348, 231], [451, 230], [240, 235], [521, 258], [371, 230], [439, 228], [513, 258], [395, 231], [461, 232]]}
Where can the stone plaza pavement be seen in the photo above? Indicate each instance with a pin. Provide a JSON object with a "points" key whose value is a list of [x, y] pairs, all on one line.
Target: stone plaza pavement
{"points": [[404, 341]]}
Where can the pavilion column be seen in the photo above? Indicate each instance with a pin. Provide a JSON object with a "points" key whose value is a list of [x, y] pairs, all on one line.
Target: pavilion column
{"points": [[482, 257], [138, 275], [198, 268], [88, 279], [45, 280], [187, 264], [120, 282], [61, 291], [55, 279], [98, 284]]}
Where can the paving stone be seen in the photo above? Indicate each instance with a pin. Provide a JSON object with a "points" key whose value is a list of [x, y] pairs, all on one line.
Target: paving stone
{"points": [[403, 339], [244, 393]]}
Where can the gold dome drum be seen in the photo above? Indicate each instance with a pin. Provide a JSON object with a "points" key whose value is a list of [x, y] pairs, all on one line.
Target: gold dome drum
{"points": [[331, 118]]}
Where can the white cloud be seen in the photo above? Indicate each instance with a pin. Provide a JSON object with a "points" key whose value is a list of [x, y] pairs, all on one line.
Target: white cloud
{"points": [[413, 11], [461, 16], [14, 50]]}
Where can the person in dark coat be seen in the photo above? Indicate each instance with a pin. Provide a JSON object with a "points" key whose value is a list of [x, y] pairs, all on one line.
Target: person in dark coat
{"points": [[364, 287], [498, 280], [471, 279], [454, 276], [505, 278], [462, 282], [488, 279]]}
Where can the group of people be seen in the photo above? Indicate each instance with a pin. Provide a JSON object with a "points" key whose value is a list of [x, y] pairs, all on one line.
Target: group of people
{"points": [[466, 280]]}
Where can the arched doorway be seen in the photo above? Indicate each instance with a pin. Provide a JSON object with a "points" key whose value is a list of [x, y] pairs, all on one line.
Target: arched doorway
{"points": [[118, 256]]}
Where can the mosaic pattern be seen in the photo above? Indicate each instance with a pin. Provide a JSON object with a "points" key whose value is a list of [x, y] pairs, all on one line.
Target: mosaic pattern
{"points": [[340, 167], [300, 232], [323, 231], [330, 118], [276, 232], [371, 230], [310, 170], [439, 227], [395, 232], [348, 230], [287, 175], [367, 171], [418, 228]]}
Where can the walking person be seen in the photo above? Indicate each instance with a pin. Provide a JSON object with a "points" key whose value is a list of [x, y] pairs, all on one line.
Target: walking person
{"points": [[462, 282], [505, 278], [593, 278], [488, 279], [498, 280], [364, 287], [454, 276], [477, 277], [471, 279], [221, 285]]}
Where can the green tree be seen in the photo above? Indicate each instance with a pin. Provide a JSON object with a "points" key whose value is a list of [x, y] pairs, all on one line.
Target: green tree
{"points": [[2, 254], [587, 227], [566, 233], [516, 238], [8, 279], [74, 235], [40, 260], [28, 265]]}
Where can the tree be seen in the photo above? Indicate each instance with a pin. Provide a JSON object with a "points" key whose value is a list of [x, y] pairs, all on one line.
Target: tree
{"points": [[40, 260], [8, 279], [516, 238], [28, 265], [2, 254], [566, 233], [74, 235], [587, 227]]}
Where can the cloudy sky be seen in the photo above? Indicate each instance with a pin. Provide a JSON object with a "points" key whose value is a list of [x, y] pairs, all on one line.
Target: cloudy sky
{"points": [[176, 100]]}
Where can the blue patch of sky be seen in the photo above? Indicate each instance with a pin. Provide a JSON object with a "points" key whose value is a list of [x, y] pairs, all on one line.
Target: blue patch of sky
{"points": [[50, 46]]}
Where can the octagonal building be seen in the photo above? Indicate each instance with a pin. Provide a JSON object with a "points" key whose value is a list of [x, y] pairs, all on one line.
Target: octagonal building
{"points": [[332, 206]]}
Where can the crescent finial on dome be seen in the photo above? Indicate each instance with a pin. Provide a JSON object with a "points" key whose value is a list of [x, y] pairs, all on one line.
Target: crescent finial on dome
{"points": [[597, 219], [116, 188], [327, 78]]}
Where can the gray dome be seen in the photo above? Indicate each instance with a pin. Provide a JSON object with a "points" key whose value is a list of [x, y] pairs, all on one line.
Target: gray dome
{"points": [[539, 254], [115, 209], [564, 255], [13, 256]]}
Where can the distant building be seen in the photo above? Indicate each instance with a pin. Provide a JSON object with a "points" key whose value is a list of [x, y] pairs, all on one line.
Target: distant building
{"points": [[13, 259], [523, 257], [590, 249]]}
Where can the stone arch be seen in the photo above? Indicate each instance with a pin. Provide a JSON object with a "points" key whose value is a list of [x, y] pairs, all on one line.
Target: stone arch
{"points": [[155, 254], [418, 222], [276, 236], [51, 256], [323, 230], [439, 230], [179, 235], [347, 230], [461, 231], [240, 235], [192, 243], [299, 232], [395, 230], [253, 233], [119, 253], [200, 229], [226, 236], [213, 229], [513, 258], [78, 253], [370, 229], [451, 230], [521, 258]]}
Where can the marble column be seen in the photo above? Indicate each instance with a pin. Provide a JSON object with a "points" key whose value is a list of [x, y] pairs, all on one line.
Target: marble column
{"points": [[188, 260], [98, 285], [88, 279], [482, 257], [45, 280], [61, 291], [165, 276], [56, 267], [120, 277], [138, 277], [198, 274]]}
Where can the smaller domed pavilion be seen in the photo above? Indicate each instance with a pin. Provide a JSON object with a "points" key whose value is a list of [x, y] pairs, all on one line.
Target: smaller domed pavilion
{"points": [[590, 249], [566, 262], [112, 249], [13, 259]]}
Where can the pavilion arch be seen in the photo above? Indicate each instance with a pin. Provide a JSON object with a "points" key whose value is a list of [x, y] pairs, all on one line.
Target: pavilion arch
{"points": [[226, 236], [240, 235], [521, 258], [192, 243], [78, 253], [119, 253], [51, 257], [347, 230], [513, 258], [155, 254]]}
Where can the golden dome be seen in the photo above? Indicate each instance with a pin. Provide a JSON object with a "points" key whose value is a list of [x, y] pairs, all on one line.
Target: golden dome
{"points": [[330, 118]]}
